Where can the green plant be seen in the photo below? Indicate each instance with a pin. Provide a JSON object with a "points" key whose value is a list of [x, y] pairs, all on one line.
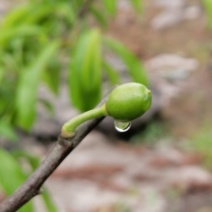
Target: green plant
{"points": [[72, 133], [41, 39]]}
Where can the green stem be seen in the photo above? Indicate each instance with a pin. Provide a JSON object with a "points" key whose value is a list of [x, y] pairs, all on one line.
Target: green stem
{"points": [[69, 127]]}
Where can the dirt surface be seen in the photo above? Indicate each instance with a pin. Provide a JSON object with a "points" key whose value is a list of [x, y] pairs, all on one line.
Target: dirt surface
{"points": [[101, 176]]}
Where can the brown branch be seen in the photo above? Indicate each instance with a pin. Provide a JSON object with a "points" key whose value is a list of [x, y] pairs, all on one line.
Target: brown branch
{"points": [[31, 187]]}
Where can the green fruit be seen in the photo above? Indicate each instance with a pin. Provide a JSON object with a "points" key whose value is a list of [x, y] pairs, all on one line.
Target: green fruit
{"points": [[128, 101]]}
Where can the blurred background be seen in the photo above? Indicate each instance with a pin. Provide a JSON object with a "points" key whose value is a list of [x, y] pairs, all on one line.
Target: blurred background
{"points": [[60, 58]]}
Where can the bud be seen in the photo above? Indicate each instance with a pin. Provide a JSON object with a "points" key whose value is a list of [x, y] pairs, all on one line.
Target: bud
{"points": [[128, 101]]}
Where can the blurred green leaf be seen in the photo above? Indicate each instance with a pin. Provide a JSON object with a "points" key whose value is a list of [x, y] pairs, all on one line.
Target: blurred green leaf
{"points": [[85, 71], [50, 206], [99, 16], [38, 12], [12, 176], [14, 32], [111, 73], [7, 130], [3, 102], [28, 14], [134, 66], [66, 12], [28, 85], [15, 17], [208, 8], [52, 76], [111, 6]]}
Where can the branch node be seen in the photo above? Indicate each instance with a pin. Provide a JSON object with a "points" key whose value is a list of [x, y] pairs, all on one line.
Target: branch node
{"points": [[63, 141]]}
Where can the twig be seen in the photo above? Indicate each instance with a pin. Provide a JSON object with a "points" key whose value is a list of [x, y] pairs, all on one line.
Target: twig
{"points": [[31, 187], [137, 99]]}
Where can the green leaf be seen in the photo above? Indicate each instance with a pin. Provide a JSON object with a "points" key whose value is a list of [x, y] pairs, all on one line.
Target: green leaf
{"points": [[12, 176], [14, 32], [85, 71], [134, 66], [111, 73], [50, 206], [28, 14], [28, 84], [39, 11], [52, 76], [7, 131], [15, 17], [100, 16], [111, 6], [208, 9]]}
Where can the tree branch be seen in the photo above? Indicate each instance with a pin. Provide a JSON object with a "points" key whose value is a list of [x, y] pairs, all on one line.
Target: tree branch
{"points": [[31, 187]]}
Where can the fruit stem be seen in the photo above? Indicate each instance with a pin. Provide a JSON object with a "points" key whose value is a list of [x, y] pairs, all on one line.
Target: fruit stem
{"points": [[70, 126]]}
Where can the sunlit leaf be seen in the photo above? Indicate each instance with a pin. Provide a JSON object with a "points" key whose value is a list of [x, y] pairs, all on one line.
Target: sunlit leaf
{"points": [[134, 66], [15, 17], [12, 176], [28, 85], [85, 71]]}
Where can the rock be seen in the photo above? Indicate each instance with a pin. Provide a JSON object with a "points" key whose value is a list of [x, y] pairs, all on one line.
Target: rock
{"points": [[167, 18], [192, 12], [172, 66], [173, 13], [174, 4], [191, 178], [169, 74], [4, 5]]}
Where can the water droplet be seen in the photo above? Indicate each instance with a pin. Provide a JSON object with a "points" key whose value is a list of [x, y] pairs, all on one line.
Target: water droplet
{"points": [[122, 126]]}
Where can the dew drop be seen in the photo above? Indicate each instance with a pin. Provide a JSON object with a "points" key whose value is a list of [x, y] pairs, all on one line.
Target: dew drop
{"points": [[122, 126]]}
